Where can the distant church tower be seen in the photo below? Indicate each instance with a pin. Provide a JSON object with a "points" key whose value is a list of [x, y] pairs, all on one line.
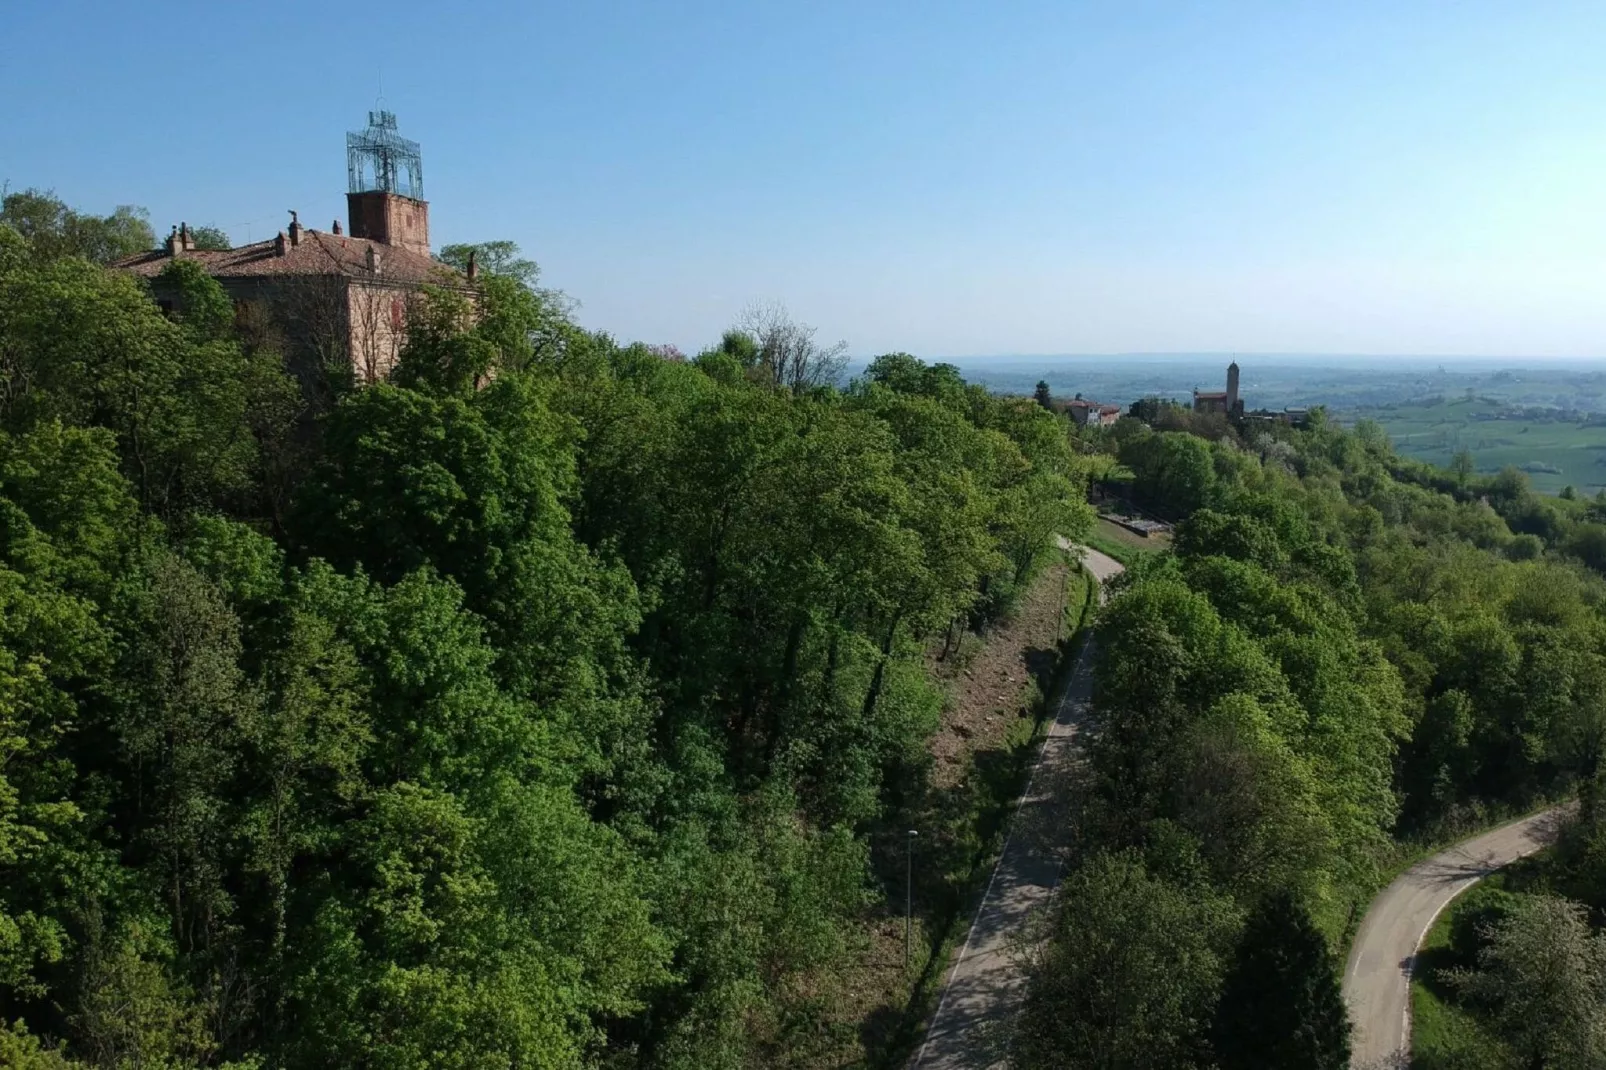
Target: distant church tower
{"points": [[1232, 389]]}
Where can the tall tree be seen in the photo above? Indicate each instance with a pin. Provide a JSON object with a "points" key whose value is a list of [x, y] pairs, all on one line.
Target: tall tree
{"points": [[788, 355], [1281, 1008], [493, 257]]}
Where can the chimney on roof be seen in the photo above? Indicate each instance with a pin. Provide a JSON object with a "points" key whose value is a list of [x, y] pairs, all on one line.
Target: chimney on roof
{"points": [[278, 244], [373, 261], [295, 228], [337, 231], [171, 243], [185, 241], [473, 266]]}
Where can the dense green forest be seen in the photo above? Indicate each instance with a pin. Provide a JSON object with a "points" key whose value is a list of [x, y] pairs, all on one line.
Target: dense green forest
{"points": [[550, 704], [539, 724], [1343, 650]]}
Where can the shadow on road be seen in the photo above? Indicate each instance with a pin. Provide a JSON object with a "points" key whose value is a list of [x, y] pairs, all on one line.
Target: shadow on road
{"points": [[1466, 863]]}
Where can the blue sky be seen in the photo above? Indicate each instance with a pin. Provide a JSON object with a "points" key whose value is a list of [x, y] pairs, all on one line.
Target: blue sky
{"points": [[946, 178]]}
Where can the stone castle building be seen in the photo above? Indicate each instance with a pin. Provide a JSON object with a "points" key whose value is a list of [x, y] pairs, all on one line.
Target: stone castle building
{"points": [[1226, 402], [337, 299]]}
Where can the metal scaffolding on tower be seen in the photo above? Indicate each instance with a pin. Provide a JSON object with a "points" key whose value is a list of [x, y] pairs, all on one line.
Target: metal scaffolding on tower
{"points": [[379, 158]]}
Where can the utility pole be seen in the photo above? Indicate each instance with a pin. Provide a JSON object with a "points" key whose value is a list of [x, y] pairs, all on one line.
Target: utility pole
{"points": [[909, 898]]}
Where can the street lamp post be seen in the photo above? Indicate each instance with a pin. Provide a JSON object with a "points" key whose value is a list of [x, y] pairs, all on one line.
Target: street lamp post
{"points": [[909, 897]]}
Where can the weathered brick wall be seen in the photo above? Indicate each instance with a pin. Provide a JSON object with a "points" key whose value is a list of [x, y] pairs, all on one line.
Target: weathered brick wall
{"points": [[385, 217]]}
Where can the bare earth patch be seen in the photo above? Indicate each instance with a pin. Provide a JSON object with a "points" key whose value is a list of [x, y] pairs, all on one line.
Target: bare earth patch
{"points": [[995, 686]]}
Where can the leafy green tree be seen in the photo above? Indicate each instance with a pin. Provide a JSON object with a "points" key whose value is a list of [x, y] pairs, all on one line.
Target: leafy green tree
{"points": [[190, 408], [54, 231], [456, 345], [23, 1050], [740, 347], [1042, 395], [1280, 1006], [473, 487], [1587, 543], [1129, 976], [494, 258], [133, 1010], [179, 725], [1175, 471], [1242, 537], [1253, 805], [1543, 974], [746, 916], [210, 239]]}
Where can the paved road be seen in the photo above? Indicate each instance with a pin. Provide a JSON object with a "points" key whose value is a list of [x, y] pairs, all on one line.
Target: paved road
{"points": [[1377, 980], [987, 981]]}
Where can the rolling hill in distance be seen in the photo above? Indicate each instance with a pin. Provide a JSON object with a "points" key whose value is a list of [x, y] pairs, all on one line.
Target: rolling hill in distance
{"points": [[1545, 416]]}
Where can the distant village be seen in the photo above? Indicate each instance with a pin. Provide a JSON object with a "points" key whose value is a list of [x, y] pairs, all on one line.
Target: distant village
{"points": [[1085, 412]]}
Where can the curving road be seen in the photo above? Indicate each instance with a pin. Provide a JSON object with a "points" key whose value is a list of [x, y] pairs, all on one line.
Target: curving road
{"points": [[1377, 979], [987, 981]]}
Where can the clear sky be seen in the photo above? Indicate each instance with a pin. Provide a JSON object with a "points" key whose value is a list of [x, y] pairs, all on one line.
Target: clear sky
{"points": [[945, 178]]}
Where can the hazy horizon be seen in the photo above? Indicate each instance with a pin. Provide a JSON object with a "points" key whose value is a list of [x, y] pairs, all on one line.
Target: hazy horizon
{"points": [[1391, 360]]}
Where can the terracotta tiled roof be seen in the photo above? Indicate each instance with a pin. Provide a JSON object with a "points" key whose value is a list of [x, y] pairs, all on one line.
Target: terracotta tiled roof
{"points": [[318, 253]]}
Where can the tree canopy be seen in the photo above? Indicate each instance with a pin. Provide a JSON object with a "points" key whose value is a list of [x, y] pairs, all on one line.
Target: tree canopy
{"points": [[534, 708], [52, 230], [1341, 648]]}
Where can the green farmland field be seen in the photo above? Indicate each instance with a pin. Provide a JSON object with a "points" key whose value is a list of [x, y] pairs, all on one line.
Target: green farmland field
{"points": [[1554, 453]]}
